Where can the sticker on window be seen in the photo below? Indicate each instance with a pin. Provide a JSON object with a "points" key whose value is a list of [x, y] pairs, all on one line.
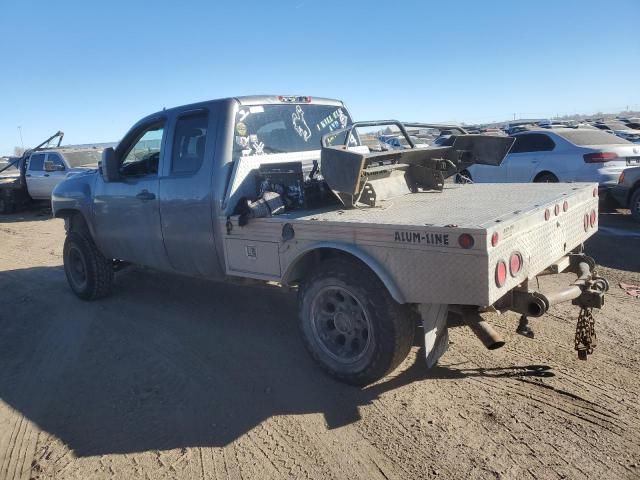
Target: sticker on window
{"points": [[300, 125]]}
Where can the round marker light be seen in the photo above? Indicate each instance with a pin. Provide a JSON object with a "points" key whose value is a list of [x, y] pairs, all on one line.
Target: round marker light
{"points": [[586, 222], [593, 218], [466, 241], [556, 210], [494, 239], [515, 264], [547, 214], [595, 192], [501, 273], [565, 206]]}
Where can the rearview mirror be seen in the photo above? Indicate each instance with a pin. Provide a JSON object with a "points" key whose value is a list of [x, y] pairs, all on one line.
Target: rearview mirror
{"points": [[110, 165]]}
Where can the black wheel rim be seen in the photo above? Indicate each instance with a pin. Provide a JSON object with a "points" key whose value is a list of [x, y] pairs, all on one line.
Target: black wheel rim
{"points": [[77, 268], [340, 324]]}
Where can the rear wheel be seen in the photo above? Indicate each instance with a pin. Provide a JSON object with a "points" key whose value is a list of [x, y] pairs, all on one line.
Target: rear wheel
{"points": [[7, 205], [634, 205], [546, 177], [351, 325], [89, 273]]}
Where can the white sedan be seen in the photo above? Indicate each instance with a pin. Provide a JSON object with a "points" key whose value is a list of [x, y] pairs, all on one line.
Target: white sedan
{"points": [[560, 155]]}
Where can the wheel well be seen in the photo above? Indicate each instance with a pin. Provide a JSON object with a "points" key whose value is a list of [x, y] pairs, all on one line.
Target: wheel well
{"points": [[307, 261], [544, 172], [74, 220]]}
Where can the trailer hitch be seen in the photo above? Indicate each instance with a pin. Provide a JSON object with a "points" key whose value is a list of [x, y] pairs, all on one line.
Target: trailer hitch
{"points": [[587, 292]]}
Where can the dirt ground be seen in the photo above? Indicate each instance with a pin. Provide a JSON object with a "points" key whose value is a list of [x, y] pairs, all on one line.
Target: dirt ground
{"points": [[173, 377]]}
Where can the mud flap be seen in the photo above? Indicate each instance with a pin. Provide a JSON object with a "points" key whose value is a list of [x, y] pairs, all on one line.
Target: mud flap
{"points": [[436, 334]]}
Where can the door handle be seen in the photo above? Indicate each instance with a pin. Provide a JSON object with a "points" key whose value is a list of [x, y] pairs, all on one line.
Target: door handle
{"points": [[46, 174], [145, 195]]}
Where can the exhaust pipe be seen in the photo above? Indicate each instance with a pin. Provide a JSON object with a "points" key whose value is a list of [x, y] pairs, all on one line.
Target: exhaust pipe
{"points": [[478, 325]]}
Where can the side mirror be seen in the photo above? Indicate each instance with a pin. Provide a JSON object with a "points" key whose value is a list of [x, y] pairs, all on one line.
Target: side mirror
{"points": [[110, 165]]}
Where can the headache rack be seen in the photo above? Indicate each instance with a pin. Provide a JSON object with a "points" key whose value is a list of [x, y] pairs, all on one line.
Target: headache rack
{"points": [[358, 175]]}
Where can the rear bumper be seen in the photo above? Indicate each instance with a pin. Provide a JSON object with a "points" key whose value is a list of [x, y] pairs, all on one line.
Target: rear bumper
{"points": [[588, 290]]}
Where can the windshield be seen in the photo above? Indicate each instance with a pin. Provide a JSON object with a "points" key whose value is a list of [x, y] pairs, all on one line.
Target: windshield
{"points": [[267, 129], [591, 137]]}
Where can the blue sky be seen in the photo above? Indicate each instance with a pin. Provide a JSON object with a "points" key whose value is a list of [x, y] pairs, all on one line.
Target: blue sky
{"points": [[94, 68]]}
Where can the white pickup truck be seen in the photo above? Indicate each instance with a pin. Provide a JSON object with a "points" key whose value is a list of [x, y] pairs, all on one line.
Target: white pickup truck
{"points": [[34, 175], [288, 189]]}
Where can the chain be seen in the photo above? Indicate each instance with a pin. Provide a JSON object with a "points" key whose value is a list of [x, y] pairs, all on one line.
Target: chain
{"points": [[585, 340]]}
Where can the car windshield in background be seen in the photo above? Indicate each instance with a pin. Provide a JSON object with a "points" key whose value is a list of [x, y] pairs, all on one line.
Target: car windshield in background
{"points": [[267, 129], [83, 158], [591, 137]]}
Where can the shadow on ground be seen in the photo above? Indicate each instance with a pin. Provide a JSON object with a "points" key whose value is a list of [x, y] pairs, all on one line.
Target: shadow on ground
{"points": [[169, 362]]}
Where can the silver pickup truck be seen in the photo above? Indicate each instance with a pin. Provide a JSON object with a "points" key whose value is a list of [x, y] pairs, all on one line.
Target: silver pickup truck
{"points": [[289, 189]]}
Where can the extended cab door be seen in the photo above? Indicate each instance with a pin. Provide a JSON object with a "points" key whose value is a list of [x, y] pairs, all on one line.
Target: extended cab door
{"points": [[126, 213], [186, 195], [35, 176]]}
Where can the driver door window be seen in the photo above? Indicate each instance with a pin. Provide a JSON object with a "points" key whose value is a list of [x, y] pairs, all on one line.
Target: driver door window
{"points": [[144, 157], [54, 163]]}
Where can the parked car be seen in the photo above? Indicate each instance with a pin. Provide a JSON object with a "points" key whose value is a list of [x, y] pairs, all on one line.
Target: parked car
{"points": [[620, 129], [561, 155], [238, 189], [627, 191]]}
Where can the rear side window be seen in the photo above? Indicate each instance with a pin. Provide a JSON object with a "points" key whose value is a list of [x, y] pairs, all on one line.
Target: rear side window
{"points": [[36, 162], [532, 142], [592, 137], [189, 141]]}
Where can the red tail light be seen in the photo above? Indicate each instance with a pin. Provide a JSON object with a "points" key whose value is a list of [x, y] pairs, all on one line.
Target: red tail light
{"points": [[592, 218], [565, 206], [547, 214], [599, 157], [465, 240], [494, 239], [515, 264], [595, 192], [586, 222], [501, 273], [556, 210]]}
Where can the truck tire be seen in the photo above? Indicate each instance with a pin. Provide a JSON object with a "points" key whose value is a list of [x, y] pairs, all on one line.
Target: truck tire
{"points": [[89, 273], [634, 205], [6, 204], [351, 325]]}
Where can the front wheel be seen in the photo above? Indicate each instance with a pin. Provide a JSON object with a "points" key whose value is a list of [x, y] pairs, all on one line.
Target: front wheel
{"points": [[350, 323], [89, 273]]}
